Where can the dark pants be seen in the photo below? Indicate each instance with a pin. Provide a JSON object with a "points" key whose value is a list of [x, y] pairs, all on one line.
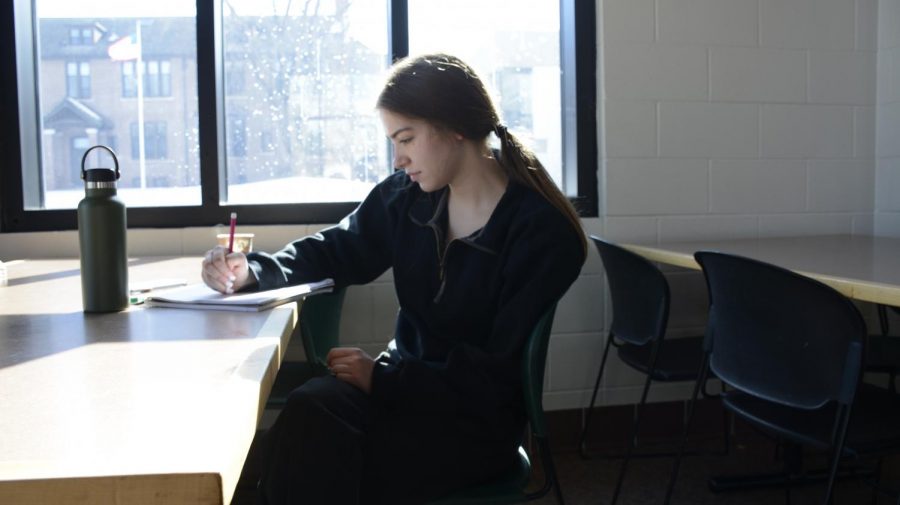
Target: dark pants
{"points": [[333, 445]]}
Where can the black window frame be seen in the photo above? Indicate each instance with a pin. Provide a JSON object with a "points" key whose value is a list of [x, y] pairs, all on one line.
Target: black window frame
{"points": [[578, 45]]}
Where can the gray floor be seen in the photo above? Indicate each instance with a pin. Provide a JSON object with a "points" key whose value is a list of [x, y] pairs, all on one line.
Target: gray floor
{"points": [[592, 481]]}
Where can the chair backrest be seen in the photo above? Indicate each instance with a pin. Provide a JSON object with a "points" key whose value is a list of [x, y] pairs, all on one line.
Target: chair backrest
{"points": [[534, 360], [320, 320], [779, 335], [638, 291]]}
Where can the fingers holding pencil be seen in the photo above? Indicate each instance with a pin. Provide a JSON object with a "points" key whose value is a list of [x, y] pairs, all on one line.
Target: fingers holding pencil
{"points": [[225, 272], [216, 272], [223, 269]]}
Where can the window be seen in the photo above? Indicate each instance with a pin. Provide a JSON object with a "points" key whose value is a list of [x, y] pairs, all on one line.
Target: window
{"points": [[129, 80], [517, 97], [522, 68], [78, 79], [154, 140], [235, 78], [237, 134], [99, 102], [78, 146], [157, 78], [322, 66], [266, 141], [269, 111], [81, 35]]}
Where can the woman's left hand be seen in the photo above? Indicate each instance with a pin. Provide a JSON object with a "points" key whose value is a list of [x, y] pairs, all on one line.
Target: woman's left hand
{"points": [[352, 365]]}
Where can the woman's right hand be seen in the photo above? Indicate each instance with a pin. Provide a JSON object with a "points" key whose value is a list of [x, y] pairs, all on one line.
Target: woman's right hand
{"points": [[226, 272]]}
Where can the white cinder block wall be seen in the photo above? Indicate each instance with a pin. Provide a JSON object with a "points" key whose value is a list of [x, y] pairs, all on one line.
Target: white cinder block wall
{"points": [[887, 176], [735, 118], [718, 118]]}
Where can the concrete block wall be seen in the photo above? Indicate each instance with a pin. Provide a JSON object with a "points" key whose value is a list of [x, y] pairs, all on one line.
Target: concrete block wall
{"points": [[887, 194], [738, 117], [733, 119]]}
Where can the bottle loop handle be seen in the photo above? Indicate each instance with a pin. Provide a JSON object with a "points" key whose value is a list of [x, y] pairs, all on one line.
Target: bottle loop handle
{"points": [[109, 150]]}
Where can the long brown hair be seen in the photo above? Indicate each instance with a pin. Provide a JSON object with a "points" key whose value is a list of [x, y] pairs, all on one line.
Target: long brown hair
{"points": [[444, 91]]}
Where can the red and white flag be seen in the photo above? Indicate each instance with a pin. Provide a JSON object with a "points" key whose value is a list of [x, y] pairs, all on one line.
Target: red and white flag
{"points": [[124, 49]]}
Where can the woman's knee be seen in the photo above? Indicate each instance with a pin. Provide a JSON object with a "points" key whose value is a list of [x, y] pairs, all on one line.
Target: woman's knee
{"points": [[326, 394], [310, 393]]}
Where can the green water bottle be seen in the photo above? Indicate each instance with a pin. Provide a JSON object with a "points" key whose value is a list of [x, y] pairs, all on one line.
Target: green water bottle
{"points": [[101, 239]]}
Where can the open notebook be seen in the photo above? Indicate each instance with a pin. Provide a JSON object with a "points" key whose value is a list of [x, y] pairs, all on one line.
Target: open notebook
{"points": [[200, 296]]}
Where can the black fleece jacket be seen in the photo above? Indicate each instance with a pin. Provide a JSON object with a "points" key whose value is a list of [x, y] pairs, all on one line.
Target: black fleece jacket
{"points": [[466, 307]]}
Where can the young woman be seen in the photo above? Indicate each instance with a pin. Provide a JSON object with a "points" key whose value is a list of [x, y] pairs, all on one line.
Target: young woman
{"points": [[481, 243]]}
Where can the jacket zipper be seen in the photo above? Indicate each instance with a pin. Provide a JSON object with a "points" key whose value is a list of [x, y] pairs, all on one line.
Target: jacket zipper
{"points": [[441, 256]]}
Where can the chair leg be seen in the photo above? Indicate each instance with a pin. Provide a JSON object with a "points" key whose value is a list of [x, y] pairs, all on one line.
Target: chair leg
{"points": [[629, 449], [884, 322], [704, 368], [726, 431], [726, 419], [550, 469], [877, 486], [836, 457], [793, 465], [883, 319], [582, 446]]}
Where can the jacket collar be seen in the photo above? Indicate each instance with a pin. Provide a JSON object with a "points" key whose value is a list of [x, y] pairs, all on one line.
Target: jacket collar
{"points": [[430, 210]]}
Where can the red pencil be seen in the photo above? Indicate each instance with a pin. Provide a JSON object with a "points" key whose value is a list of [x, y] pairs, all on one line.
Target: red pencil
{"points": [[231, 233]]}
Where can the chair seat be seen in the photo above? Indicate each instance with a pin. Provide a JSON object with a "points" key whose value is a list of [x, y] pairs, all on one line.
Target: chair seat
{"points": [[679, 358], [507, 488], [882, 353], [874, 422]]}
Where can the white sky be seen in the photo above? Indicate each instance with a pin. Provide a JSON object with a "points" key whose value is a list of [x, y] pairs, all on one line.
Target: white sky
{"points": [[114, 8], [367, 17]]}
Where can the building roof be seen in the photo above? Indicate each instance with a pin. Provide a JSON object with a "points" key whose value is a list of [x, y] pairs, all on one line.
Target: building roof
{"points": [[160, 37], [71, 112]]}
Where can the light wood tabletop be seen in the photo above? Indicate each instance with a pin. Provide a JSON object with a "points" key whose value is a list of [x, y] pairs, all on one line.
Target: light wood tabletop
{"points": [[143, 406], [861, 267]]}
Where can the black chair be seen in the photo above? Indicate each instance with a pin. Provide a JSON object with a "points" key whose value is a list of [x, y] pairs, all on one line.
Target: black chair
{"points": [[640, 302], [318, 329], [511, 487], [883, 353], [791, 349]]}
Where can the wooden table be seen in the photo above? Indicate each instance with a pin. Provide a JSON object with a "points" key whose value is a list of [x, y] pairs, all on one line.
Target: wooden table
{"points": [[143, 406], [860, 267]]}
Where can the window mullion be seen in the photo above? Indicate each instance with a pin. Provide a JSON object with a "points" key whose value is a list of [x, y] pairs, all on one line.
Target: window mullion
{"points": [[586, 99], [210, 107], [398, 30], [31, 191]]}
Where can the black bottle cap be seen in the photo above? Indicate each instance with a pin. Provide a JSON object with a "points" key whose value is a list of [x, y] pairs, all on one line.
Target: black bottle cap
{"points": [[100, 175]]}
